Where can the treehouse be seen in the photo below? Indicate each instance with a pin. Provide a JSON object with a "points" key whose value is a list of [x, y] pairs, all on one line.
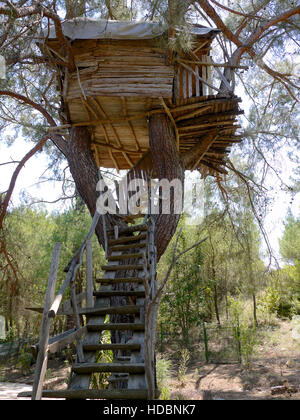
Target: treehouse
{"points": [[113, 78], [124, 72]]}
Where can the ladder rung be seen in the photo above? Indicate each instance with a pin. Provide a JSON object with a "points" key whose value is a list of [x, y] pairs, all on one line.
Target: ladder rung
{"points": [[125, 247], [111, 346], [125, 256], [121, 378], [120, 280], [131, 229], [122, 267], [110, 293], [126, 309], [93, 394], [125, 239], [82, 368], [130, 326]]}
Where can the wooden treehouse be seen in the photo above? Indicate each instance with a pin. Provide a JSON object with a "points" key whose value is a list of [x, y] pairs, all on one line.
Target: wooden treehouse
{"points": [[122, 74]]}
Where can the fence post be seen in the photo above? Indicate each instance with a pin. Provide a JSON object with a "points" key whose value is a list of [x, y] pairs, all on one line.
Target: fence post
{"points": [[42, 357], [238, 334], [205, 343]]}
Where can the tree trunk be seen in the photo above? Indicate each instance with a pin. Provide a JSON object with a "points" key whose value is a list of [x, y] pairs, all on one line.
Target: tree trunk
{"points": [[86, 175], [168, 165], [216, 304], [254, 309]]}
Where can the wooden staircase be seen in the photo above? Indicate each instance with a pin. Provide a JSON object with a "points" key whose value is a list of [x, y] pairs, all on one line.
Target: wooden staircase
{"points": [[122, 313]]}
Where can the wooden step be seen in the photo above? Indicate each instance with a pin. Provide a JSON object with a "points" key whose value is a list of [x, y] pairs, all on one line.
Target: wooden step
{"points": [[127, 326], [93, 394], [126, 309], [131, 229], [125, 256], [120, 280], [112, 379], [84, 368], [111, 293], [129, 218], [122, 267], [111, 346], [125, 239], [118, 248]]}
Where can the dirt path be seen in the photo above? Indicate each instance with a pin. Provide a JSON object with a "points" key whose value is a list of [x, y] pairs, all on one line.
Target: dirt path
{"points": [[10, 390]]}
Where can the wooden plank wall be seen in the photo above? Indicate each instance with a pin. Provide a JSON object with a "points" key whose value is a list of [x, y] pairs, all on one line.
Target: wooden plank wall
{"points": [[121, 70]]}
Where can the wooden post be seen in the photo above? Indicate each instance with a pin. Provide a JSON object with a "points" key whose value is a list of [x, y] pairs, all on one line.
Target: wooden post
{"points": [[238, 335], [42, 358], [89, 275], [205, 343]]}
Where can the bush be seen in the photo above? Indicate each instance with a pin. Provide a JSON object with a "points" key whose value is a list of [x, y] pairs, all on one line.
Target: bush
{"points": [[163, 375]]}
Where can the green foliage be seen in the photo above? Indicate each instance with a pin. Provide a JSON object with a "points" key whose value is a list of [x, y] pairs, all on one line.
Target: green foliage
{"points": [[270, 300], [163, 375], [183, 365], [183, 303], [32, 234], [24, 360], [244, 334]]}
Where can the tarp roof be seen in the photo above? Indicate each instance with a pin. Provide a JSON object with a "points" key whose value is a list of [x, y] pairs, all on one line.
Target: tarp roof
{"points": [[88, 28]]}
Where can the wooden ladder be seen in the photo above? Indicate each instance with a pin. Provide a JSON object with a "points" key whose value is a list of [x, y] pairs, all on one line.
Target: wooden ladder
{"points": [[126, 263]]}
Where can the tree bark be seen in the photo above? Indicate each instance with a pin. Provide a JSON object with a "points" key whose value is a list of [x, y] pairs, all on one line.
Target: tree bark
{"points": [[167, 165], [85, 173]]}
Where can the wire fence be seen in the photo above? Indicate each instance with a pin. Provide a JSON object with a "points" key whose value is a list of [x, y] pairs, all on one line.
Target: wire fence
{"points": [[212, 343]]}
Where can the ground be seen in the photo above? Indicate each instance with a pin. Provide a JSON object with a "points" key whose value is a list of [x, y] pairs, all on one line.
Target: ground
{"points": [[276, 362]]}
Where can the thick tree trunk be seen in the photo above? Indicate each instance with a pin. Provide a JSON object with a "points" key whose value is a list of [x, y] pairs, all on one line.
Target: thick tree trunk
{"points": [[168, 165], [86, 175]]}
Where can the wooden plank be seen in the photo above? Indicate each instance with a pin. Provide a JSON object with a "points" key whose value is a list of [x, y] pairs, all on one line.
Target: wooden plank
{"points": [[194, 113], [131, 229], [172, 120], [62, 340], [93, 394], [130, 246], [108, 310], [117, 326], [120, 280], [197, 81], [111, 346], [42, 357], [119, 293], [108, 367], [125, 239], [125, 257], [122, 267]]}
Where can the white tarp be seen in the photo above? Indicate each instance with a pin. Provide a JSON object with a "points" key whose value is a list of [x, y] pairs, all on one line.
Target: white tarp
{"points": [[88, 28]]}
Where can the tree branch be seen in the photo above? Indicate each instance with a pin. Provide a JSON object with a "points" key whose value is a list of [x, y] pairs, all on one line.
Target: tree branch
{"points": [[13, 180], [58, 140]]}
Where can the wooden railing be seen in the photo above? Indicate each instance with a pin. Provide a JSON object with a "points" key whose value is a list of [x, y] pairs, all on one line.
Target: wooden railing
{"points": [[52, 305], [197, 78]]}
